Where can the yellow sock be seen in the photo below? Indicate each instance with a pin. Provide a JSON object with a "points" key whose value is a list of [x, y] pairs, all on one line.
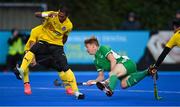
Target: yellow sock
{"points": [[26, 75], [63, 77], [27, 60], [71, 79]]}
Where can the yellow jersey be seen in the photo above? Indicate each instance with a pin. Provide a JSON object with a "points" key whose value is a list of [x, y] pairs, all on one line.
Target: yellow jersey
{"points": [[53, 30], [174, 41], [34, 36]]}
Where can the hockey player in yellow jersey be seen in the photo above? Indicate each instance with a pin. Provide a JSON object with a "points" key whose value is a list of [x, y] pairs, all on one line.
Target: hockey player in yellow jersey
{"points": [[174, 41], [55, 29], [34, 38]]}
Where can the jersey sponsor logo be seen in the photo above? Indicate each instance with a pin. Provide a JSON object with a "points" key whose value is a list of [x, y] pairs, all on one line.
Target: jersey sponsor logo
{"points": [[63, 28]]}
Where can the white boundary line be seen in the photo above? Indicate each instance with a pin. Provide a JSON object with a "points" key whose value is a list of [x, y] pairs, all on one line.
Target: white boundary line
{"points": [[91, 89]]}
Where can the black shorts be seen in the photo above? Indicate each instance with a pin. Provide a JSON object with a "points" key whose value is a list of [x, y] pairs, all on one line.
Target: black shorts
{"points": [[50, 55]]}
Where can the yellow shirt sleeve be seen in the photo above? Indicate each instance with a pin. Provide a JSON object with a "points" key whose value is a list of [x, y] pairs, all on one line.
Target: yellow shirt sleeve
{"points": [[172, 42], [70, 27], [34, 36]]}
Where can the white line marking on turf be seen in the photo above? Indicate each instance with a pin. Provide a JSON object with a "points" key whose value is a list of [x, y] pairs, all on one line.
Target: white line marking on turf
{"points": [[91, 89]]}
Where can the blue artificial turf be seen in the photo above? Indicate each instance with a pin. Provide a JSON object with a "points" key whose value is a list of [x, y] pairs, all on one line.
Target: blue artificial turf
{"points": [[44, 93]]}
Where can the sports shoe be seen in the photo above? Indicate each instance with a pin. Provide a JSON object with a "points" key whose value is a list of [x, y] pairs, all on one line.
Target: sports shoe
{"points": [[69, 91], [79, 95], [18, 72], [105, 88], [27, 89]]}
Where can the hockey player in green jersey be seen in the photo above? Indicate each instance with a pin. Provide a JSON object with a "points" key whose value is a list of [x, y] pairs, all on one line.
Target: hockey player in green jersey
{"points": [[120, 67]]}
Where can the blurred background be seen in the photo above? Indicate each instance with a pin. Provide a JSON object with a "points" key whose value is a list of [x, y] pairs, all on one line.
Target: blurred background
{"points": [[139, 29]]}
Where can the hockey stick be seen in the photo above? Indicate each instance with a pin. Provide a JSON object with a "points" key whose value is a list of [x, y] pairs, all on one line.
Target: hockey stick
{"points": [[157, 97], [57, 83]]}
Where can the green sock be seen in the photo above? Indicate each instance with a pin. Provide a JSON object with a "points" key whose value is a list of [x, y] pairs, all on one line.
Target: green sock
{"points": [[136, 77], [112, 82]]}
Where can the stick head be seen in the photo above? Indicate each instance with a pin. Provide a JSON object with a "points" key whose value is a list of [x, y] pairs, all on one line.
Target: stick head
{"points": [[56, 82], [158, 98]]}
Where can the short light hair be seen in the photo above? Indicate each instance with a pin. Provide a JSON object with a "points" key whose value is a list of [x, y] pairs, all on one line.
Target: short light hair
{"points": [[91, 40]]}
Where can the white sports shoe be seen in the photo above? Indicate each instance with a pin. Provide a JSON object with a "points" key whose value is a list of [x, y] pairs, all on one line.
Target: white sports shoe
{"points": [[79, 95], [19, 72]]}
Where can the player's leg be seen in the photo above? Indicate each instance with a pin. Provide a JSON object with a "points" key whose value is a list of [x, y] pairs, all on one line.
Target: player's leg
{"points": [[25, 74], [133, 76], [19, 72], [70, 78], [133, 79], [72, 81], [62, 65], [38, 48], [27, 87], [63, 77], [127, 73], [44, 61], [27, 60], [118, 71]]}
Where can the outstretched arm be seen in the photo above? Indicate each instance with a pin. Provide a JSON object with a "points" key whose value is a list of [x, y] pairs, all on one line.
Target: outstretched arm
{"points": [[45, 14], [153, 68], [99, 78], [162, 56], [39, 14]]}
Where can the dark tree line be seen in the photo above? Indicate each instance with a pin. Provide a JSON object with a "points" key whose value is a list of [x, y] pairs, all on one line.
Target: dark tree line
{"points": [[109, 14]]}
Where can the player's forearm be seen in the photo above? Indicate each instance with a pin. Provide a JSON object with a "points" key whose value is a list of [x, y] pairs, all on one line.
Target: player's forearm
{"points": [[100, 76], [162, 56], [38, 14], [41, 15]]}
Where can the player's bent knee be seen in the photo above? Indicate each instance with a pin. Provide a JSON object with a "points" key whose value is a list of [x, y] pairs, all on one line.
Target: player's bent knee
{"points": [[124, 85], [65, 68]]}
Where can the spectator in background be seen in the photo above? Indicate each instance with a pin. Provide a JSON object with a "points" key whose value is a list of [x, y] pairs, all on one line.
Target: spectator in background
{"points": [[176, 17], [16, 49], [131, 23]]}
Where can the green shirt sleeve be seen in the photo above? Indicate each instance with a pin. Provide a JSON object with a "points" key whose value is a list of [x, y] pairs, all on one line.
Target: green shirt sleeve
{"points": [[98, 68], [105, 50]]}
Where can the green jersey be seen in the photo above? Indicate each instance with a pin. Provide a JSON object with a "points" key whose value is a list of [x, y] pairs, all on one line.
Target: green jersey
{"points": [[102, 63]]}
